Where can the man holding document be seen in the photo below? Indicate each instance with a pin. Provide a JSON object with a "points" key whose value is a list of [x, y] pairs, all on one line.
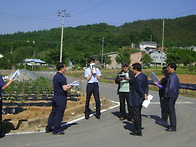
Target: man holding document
{"points": [[124, 79], [4, 86], [92, 76], [138, 94], [59, 101]]}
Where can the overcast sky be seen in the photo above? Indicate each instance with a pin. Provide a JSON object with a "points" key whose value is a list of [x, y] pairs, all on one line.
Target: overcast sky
{"points": [[34, 15]]}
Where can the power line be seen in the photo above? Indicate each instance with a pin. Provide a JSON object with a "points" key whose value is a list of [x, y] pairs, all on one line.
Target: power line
{"points": [[97, 5], [186, 12], [113, 9]]}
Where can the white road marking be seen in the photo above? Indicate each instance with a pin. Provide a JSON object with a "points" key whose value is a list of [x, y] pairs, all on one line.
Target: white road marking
{"points": [[73, 121]]}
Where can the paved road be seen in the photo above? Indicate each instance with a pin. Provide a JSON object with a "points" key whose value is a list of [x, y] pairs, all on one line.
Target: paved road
{"points": [[110, 132]]}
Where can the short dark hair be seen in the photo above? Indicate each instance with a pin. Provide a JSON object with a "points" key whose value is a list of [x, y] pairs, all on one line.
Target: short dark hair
{"points": [[60, 65], [91, 59], [137, 66], [172, 65], [125, 64], [165, 71]]}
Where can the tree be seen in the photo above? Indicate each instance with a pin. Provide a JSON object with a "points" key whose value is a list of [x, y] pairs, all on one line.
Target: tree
{"points": [[123, 56], [181, 56], [146, 59]]}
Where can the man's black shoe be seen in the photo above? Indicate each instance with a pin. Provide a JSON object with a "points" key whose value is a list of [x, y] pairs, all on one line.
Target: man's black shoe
{"points": [[86, 116], [171, 130], [48, 130], [136, 134], [2, 135], [97, 116], [59, 133]]}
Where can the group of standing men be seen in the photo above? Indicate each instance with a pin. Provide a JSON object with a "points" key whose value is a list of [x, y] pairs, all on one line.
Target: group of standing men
{"points": [[168, 92], [132, 88]]}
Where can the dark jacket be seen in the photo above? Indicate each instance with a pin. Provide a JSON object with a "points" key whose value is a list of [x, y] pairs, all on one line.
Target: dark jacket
{"points": [[172, 86], [131, 76], [162, 82], [138, 90]]}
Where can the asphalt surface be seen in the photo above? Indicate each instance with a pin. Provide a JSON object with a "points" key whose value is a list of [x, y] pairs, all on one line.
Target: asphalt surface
{"points": [[109, 131]]}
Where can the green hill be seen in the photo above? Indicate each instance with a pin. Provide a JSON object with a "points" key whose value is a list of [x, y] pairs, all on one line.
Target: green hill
{"points": [[83, 41]]}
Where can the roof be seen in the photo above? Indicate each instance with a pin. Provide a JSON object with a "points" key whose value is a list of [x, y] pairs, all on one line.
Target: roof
{"points": [[34, 60], [148, 42]]}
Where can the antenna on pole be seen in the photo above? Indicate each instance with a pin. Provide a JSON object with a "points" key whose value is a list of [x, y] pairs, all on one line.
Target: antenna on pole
{"points": [[63, 14]]}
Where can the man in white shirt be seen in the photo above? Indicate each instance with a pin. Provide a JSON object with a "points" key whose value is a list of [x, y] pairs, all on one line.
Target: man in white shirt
{"points": [[92, 75]]}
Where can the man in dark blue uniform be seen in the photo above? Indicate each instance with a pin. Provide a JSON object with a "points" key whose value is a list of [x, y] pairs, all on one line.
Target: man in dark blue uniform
{"points": [[3, 86], [59, 101], [171, 94]]}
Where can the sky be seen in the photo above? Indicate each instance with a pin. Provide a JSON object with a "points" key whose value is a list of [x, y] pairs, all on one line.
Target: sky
{"points": [[34, 15]]}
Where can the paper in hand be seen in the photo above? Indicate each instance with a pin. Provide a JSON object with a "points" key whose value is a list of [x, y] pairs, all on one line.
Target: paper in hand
{"points": [[16, 73], [75, 83], [147, 102]]}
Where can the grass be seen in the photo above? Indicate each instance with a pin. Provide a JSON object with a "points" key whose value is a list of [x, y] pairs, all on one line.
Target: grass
{"points": [[108, 76]]}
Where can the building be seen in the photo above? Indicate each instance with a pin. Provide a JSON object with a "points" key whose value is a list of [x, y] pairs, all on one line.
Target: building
{"points": [[156, 56], [144, 44], [149, 50], [34, 62], [113, 64], [136, 57]]}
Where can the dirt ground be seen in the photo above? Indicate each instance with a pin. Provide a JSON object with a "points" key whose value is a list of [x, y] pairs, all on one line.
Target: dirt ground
{"points": [[185, 78], [34, 118]]}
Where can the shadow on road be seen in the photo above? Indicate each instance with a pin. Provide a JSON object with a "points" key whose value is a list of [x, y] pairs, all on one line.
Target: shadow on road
{"points": [[158, 120], [129, 126], [65, 125], [117, 114]]}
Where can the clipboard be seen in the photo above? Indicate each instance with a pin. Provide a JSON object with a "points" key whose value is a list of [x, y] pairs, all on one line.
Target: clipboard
{"points": [[154, 77], [122, 76]]}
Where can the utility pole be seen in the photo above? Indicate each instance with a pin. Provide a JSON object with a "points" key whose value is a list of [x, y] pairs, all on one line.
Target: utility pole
{"points": [[33, 67], [150, 38], [63, 14], [162, 42], [102, 52]]}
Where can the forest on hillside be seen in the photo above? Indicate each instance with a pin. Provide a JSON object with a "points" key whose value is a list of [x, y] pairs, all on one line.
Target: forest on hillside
{"points": [[81, 42]]}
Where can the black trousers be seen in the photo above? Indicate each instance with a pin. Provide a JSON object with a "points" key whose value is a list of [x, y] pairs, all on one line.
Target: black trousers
{"points": [[164, 108], [172, 112], [137, 118], [92, 88], [57, 113], [124, 96], [1, 105]]}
